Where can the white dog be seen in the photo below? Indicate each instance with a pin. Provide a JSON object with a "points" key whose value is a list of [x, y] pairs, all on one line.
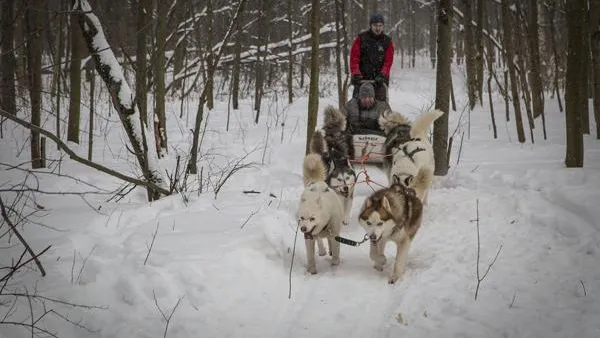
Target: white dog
{"points": [[320, 214], [408, 148]]}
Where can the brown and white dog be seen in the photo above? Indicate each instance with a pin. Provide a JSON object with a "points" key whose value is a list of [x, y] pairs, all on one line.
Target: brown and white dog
{"points": [[320, 214], [394, 214]]}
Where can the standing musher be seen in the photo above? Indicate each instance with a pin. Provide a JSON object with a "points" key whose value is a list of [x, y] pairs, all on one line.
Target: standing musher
{"points": [[371, 58]]}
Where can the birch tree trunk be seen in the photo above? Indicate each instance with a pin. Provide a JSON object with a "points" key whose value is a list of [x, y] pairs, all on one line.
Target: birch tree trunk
{"points": [[290, 68], [122, 97], [442, 86], [313, 92]]}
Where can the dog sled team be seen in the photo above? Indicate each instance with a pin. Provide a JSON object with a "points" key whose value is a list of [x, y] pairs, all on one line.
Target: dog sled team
{"points": [[393, 213]]}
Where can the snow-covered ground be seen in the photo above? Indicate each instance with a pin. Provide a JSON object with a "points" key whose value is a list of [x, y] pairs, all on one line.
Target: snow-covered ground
{"points": [[221, 265]]}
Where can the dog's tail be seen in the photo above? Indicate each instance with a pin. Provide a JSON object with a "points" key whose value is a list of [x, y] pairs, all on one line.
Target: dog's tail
{"points": [[318, 144], [422, 181], [334, 118], [423, 122], [313, 169]]}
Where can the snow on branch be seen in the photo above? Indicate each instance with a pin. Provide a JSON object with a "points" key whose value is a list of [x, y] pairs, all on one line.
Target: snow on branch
{"points": [[122, 96]]}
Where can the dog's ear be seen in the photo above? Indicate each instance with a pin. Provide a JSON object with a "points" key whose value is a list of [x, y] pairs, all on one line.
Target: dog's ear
{"points": [[386, 205], [408, 180], [368, 203], [395, 179]]}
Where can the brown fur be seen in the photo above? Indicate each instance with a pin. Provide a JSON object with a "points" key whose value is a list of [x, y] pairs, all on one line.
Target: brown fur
{"points": [[404, 207], [390, 120]]}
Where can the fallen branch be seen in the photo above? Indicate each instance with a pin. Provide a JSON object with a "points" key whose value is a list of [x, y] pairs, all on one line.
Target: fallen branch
{"points": [[167, 319], [292, 263], [80, 159], [151, 243]]}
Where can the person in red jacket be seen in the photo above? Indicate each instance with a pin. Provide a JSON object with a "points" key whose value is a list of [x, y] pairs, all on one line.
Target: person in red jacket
{"points": [[371, 58]]}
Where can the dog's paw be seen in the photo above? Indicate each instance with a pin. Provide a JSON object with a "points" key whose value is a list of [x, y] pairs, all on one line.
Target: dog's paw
{"points": [[393, 278], [378, 267], [312, 270], [335, 261], [346, 222], [322, 251]]}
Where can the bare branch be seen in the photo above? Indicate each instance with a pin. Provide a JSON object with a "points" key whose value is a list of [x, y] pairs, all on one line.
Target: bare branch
{"points": [[80, 159], [151, 243]]}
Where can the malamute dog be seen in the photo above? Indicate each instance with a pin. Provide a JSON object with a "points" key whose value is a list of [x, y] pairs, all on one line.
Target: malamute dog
{"points": [[408, 147], [334, 144], [394, 214], [320, 214]]}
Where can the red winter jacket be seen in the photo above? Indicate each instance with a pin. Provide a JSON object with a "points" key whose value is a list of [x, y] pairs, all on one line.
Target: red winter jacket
{"points": [[367, 60]]}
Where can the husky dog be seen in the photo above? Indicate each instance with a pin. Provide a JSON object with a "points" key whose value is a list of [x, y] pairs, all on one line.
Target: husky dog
{"points": [[320, 214], [408, 147], [334, 144], [394, 214]]}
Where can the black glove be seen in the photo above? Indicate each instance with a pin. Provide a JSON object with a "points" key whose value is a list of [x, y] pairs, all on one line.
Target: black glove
{"points": [[356, 80], [380, 78]]}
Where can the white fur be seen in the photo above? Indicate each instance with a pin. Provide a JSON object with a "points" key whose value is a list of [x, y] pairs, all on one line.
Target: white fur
{"points": [[402, 166], [344, 185], [320, 215]]}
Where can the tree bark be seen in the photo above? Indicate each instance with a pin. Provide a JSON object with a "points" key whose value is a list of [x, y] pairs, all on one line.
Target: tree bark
{"points": [[313, 93], [141, 74], [442, 86], [537, 91], [160, 119], [34, 70], [111, 72], [507, 23], [470, 53], [7, 69], [75, 81], [595, 47], [576, 10]]}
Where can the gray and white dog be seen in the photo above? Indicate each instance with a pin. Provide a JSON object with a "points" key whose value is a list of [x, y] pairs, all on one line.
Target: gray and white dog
{"points": [[334, 143]]}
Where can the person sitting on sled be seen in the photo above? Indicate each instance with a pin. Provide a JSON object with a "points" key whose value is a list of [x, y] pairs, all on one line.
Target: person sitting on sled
{"points": [[363, 111]]}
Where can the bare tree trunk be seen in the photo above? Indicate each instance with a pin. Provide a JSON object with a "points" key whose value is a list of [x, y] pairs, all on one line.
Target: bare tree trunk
{"points": [[432, 36], [551, 8], [508, 46], [210, 100], [75, 81], [181, 44], [7, 59], [313, 95], [345, 50], [520, 50], [584, 80], [141, 74], [576, 10], [442, 86], [235, 78], [595, 47], [260, 59], [160, 120], [479, 49], [290, 70], [470, 55], [413, 31], [58, 71], [34, 69], [537, 92], [338, 61], [92, 79]]}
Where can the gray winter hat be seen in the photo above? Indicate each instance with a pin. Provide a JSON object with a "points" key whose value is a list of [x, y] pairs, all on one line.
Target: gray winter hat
{"points": [[366, 90]]}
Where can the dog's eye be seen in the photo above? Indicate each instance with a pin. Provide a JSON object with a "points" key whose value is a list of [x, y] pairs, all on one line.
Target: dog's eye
{"points": [[302, 218], [312, 219], [380, 224], [368, 223]]}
